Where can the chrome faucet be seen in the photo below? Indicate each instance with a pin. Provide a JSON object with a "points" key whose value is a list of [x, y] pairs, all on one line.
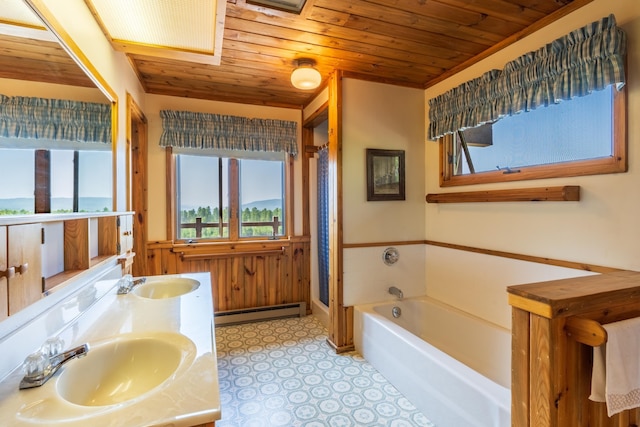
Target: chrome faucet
{"points": [[41, 365], [395, 291], [126, 284]]}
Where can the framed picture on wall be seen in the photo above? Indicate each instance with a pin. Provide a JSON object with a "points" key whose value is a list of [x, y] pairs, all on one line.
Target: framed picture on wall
{"points": [[385, 174]]}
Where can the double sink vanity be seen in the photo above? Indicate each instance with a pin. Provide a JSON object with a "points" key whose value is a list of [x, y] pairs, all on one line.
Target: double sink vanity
{"points": [[145, 357]]}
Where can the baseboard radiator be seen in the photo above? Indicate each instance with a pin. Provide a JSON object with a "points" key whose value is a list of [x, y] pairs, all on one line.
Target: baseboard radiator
{"points": [[256, 314]]}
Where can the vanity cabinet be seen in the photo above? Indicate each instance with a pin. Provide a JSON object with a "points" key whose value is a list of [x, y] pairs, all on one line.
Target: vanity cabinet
{"points": [[4, 273], [20, 267], [24, 254], [125, 234], [41, 253]]}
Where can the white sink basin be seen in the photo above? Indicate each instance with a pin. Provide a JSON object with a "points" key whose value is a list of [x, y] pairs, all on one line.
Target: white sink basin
{"points": [[166, 287], [124, 368]]}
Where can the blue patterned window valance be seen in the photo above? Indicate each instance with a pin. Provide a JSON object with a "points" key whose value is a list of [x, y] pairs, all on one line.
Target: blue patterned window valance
{"points": [[54, 120], [590, 58], [219, 132]]}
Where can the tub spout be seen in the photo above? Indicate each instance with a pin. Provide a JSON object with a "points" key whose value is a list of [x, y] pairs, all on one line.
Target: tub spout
{"points": [[395, 291]]}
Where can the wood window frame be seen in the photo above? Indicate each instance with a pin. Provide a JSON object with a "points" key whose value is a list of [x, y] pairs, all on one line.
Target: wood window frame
{"points": [[43, 180], [234, 201], [615, 163]]}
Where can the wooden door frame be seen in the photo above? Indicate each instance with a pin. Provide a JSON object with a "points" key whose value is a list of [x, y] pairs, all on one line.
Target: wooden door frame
{"points": [[137, 140], [340, 317]]}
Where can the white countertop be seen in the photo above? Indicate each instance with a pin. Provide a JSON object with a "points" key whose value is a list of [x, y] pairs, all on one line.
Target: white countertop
{"points": [[191, 397]]}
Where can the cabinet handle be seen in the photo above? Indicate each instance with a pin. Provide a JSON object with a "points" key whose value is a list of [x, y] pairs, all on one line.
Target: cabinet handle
{"points": [[22, 269], [8, 273]]}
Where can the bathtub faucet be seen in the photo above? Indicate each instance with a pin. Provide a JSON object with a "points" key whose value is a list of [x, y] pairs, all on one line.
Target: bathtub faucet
{"points": [[395, 291]]}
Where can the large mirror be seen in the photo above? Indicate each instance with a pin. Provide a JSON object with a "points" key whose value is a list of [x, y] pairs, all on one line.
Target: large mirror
{"points": [[36, 71], [52, 167]]}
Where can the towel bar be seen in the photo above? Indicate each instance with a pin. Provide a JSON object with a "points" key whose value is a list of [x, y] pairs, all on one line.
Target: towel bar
{"points": [[196, 256], [586, 331]]}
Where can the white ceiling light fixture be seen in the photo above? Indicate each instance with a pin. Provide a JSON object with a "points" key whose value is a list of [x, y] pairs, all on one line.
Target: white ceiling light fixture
{"points": [[305, 76]]}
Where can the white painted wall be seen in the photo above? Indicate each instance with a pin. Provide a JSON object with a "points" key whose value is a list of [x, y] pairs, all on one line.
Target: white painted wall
{"points": [[389, 117], [602, 228], [381, 116], [476, 283], [157, 162], [12, 87]]}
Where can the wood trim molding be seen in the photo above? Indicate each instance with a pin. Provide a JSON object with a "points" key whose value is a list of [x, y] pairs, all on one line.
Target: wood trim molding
{"points": [[340, 317], [137, 138], [541, 260], [530, 258], [375, 244], [170, 165], [565, 193]]}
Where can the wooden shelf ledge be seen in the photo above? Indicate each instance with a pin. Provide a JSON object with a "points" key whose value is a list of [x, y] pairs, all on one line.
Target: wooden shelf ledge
{"points": [[565, 193]]}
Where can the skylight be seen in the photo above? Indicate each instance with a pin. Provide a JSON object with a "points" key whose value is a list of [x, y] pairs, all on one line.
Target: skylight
{"points": [[294, 6]]}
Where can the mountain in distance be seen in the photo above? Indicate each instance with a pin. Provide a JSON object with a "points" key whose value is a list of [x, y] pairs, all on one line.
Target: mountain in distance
{"points": [[97, 204], [269, 204], [88, 204]]}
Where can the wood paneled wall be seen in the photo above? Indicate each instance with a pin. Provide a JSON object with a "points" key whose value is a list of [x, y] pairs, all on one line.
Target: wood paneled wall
{"points": [[243, 275]]}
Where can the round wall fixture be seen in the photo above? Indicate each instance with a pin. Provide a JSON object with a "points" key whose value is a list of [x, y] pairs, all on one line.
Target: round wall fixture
{"points": [[390, 256]]}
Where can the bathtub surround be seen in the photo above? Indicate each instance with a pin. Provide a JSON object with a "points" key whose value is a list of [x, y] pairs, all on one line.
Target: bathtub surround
{"points": [[481, 280], [455, 368], [366, 266]]}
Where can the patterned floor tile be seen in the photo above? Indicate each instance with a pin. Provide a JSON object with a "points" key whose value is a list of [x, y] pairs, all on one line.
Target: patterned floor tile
{"points": [[283, 373]]}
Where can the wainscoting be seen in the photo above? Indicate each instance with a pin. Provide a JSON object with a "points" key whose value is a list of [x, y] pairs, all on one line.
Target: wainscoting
{"points": [[243, 274]]}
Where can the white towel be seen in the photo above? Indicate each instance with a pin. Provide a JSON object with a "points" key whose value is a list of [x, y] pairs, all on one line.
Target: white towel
{"points": [[615, 377]]}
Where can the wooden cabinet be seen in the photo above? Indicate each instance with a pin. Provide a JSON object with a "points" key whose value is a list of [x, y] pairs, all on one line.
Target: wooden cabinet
{"points": [[4, 274], [24, 253], [125, 234], [37, 258], [20, 267]]}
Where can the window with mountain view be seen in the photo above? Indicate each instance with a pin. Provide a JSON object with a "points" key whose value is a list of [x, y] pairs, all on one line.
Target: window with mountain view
{"points": [[18, 168], [229, 198]]}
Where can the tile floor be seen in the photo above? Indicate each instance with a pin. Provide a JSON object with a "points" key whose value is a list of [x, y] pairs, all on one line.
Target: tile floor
{"points": [[283, 373]]}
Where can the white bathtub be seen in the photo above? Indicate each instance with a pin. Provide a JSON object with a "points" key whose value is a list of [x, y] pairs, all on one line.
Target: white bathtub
{"points": [[452, 366]]}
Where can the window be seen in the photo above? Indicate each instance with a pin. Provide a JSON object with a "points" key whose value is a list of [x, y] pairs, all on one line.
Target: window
{"points": [[229, 198], [261, 200], [91, 186], [583, 136]]}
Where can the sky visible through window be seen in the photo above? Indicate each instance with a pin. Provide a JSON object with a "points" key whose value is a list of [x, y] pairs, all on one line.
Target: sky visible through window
{"points": [[571, 130], [201, 174], [17, 169]]}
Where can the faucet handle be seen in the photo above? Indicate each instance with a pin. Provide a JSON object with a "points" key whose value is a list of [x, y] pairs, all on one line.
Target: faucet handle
{"points": [[36, 364], [125, 283], [390, 256], [53, 348]]}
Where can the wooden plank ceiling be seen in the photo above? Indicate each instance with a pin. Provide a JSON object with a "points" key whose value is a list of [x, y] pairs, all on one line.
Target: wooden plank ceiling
{"points": [[411, 43]]}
